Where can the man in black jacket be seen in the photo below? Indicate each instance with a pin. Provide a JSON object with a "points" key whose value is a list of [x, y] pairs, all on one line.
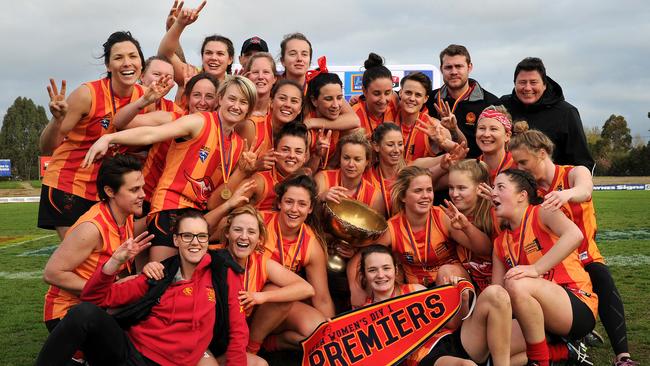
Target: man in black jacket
{"points": [[538, 99], [465, 96]]}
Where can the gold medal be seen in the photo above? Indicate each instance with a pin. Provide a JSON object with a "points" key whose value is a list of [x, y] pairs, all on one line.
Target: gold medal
{"points": [[226, 194]]}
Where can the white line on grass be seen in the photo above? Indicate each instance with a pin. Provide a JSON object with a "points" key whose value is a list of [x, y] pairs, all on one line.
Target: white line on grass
{"points": [[21, 275], [26, 241]]}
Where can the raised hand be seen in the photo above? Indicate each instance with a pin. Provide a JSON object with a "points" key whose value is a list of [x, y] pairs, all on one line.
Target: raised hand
{"points": [[158, 89], [173, 13], [186, 17], [188, 72], [154, 271], [132, 247], [449, 122], [58, 105], [485, 191], [248, 158], [443, 110], [267, 161], [458, 220], [433, 130], [323, 143], [240, 195], [456, 154]]}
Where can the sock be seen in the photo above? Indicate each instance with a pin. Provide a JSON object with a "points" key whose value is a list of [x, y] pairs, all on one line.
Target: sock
{"points": [[271, 343], [558, 352], [538, 352], [253, 347]]}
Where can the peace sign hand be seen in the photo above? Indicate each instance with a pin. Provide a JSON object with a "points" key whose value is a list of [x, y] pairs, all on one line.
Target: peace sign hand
{"points": [[132, 247], [458, 220], [323, 142], [450, 122], [58, 105], [433, 130], [443, 110], [248, 158], [173, 13], [267, 161]]}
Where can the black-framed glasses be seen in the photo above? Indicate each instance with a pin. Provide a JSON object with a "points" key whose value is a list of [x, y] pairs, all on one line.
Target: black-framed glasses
{"points": [[200, 237]]}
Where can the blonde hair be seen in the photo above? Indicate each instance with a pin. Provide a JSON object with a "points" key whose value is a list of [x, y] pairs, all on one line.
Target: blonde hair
{"points": [[265, 55], [245, 86], [532, 140], [244, 210], [479, 173], [356, 138], [402, 183]]}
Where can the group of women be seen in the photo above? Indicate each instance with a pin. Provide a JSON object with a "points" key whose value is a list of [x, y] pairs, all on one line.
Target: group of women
{"points": [[244, 163]]}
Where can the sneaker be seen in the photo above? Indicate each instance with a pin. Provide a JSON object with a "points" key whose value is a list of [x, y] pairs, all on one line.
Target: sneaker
{"points": [[578, 354], [625, 361], [593, 339]]}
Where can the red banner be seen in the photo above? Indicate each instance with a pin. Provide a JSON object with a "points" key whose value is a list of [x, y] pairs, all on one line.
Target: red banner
{"points": [[384, 333], [43, 161]]}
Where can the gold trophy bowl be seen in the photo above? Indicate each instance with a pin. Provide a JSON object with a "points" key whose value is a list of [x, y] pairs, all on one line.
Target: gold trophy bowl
{"points": [[354, 223]]}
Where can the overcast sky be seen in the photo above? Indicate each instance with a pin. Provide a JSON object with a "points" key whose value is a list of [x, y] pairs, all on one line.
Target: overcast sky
{"points": [[595, 49]]}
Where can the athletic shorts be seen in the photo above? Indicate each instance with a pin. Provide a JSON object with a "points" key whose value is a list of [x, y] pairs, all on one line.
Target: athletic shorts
{"points": [[449, 345], [146, 208], [583, 319], [58, 208], [161, 225]]}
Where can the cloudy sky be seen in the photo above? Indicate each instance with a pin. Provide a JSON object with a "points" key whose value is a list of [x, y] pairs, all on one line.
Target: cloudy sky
{"points": [[595, 49]]}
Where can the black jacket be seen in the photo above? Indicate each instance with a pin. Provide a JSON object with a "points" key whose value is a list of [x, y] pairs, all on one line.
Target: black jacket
{"points": [[558, 119]]}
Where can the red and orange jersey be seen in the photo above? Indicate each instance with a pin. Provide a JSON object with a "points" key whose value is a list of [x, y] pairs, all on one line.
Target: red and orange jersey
{"points": [[479, 267], [167, 105], [506, 163], [582, 214], [292, 254], [312, 136], [422, 252], [263, 133], [416, 142], [64, 170], [368, 122], [194, 168], [366, 192], [530, 241], [382, 185], [271, 178], [59, 301]]}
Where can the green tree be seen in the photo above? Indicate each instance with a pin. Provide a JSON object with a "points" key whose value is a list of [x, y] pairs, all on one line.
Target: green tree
{"points": [[21, 128], [616, 134]]}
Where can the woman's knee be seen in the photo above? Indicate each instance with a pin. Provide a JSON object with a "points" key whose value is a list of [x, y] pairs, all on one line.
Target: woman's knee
{"points": [[496, 296], [518, 288]]}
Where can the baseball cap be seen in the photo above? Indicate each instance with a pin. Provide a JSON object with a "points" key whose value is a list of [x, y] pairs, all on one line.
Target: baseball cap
{"points": [[254, 43]]}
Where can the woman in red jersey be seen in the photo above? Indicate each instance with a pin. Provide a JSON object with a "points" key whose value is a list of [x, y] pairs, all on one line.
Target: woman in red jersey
{"points": [[388, 147], [88, 113], [204, 154], [294, 243], [493, 131], [486, 332], [183, 317], [536, 261], [569, 189], [378, 102]]}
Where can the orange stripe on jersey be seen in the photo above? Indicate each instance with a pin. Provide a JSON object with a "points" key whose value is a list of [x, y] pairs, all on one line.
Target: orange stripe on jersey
{"points": [[59, 301], [64, 170], [528, 243], [369, 122], [365, 192], [167, 105], [416, 142], [293, 254], [582, 214], [271, 178], [382, 185], [506, 163], [263, 133], [313, 142], [420, 257], [193, 168]]}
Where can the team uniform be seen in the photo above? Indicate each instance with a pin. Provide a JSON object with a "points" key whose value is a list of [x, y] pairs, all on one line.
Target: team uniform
{"points": [[293, 255], [382, 185], [263, 132], [368, 122], [506, 163], [267, 198], [479, 267], [366, 192], [528, 243], [422, 252], [69, 190], [59, 301], [193, 169], [416, 143], [312, 137]]}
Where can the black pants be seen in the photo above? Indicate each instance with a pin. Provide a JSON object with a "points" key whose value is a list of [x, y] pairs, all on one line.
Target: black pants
{"points": [[610, 306], [90, 329]]}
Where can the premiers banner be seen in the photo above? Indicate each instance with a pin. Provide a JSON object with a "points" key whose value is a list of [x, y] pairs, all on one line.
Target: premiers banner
{"points": [[384, 333]]}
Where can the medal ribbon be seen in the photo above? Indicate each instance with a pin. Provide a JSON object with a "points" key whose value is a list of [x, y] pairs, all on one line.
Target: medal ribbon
{"points": [[427, 240], [300, 239], [407, 147], [499, 167], [246, 273], [384, 194], [225, 164], [522, 234], [465, 94], [355, 196]]}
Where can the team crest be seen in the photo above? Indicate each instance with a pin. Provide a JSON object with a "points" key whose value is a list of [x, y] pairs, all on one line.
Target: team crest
{"points": [[509, 262], [534, 246], [202, 188], [187, 291], [211, 296], [203, 153], [470, 118], [408, 257], [105, 122]]}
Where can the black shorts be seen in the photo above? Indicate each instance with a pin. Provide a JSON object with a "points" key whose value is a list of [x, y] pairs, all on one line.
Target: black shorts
{"points": [[449, 345], [583, 319], [146, 208], [58, 208], [161, 225]]}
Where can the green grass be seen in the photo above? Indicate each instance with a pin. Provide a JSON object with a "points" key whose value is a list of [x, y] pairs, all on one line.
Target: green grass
{"points": [[36, 183], [9, 184], [624, 231]]}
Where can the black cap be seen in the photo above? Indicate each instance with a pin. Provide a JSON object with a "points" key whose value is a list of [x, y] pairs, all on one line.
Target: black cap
{"points": [[254, 43]]}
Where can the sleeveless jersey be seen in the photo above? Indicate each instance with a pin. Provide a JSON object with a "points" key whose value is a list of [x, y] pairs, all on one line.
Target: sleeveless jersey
{"points": [[506, 163], [366, 192], [59, 301], [423, 252], [368, 122], [64, 170], [479, 267], [528, 243], [271, 178], [193, 168], [416, 142], [582, 214], [382, 185], [292, 254]]}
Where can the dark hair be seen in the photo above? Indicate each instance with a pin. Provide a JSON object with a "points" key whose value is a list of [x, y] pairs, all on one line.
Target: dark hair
{"points": [[455, 50], [111, 173], [420, 78], [224, 40], [381, 131], [198, 77], [153, 58], [524, 182], [370, 249], [531, 64], [117, 37], [375, 69], [187, 213], [282, 82], [293, 128], [322, 79], [292, 36]]}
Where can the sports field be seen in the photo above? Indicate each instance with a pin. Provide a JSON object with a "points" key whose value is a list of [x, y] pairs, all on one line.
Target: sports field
{"points": [[624, 239]]}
